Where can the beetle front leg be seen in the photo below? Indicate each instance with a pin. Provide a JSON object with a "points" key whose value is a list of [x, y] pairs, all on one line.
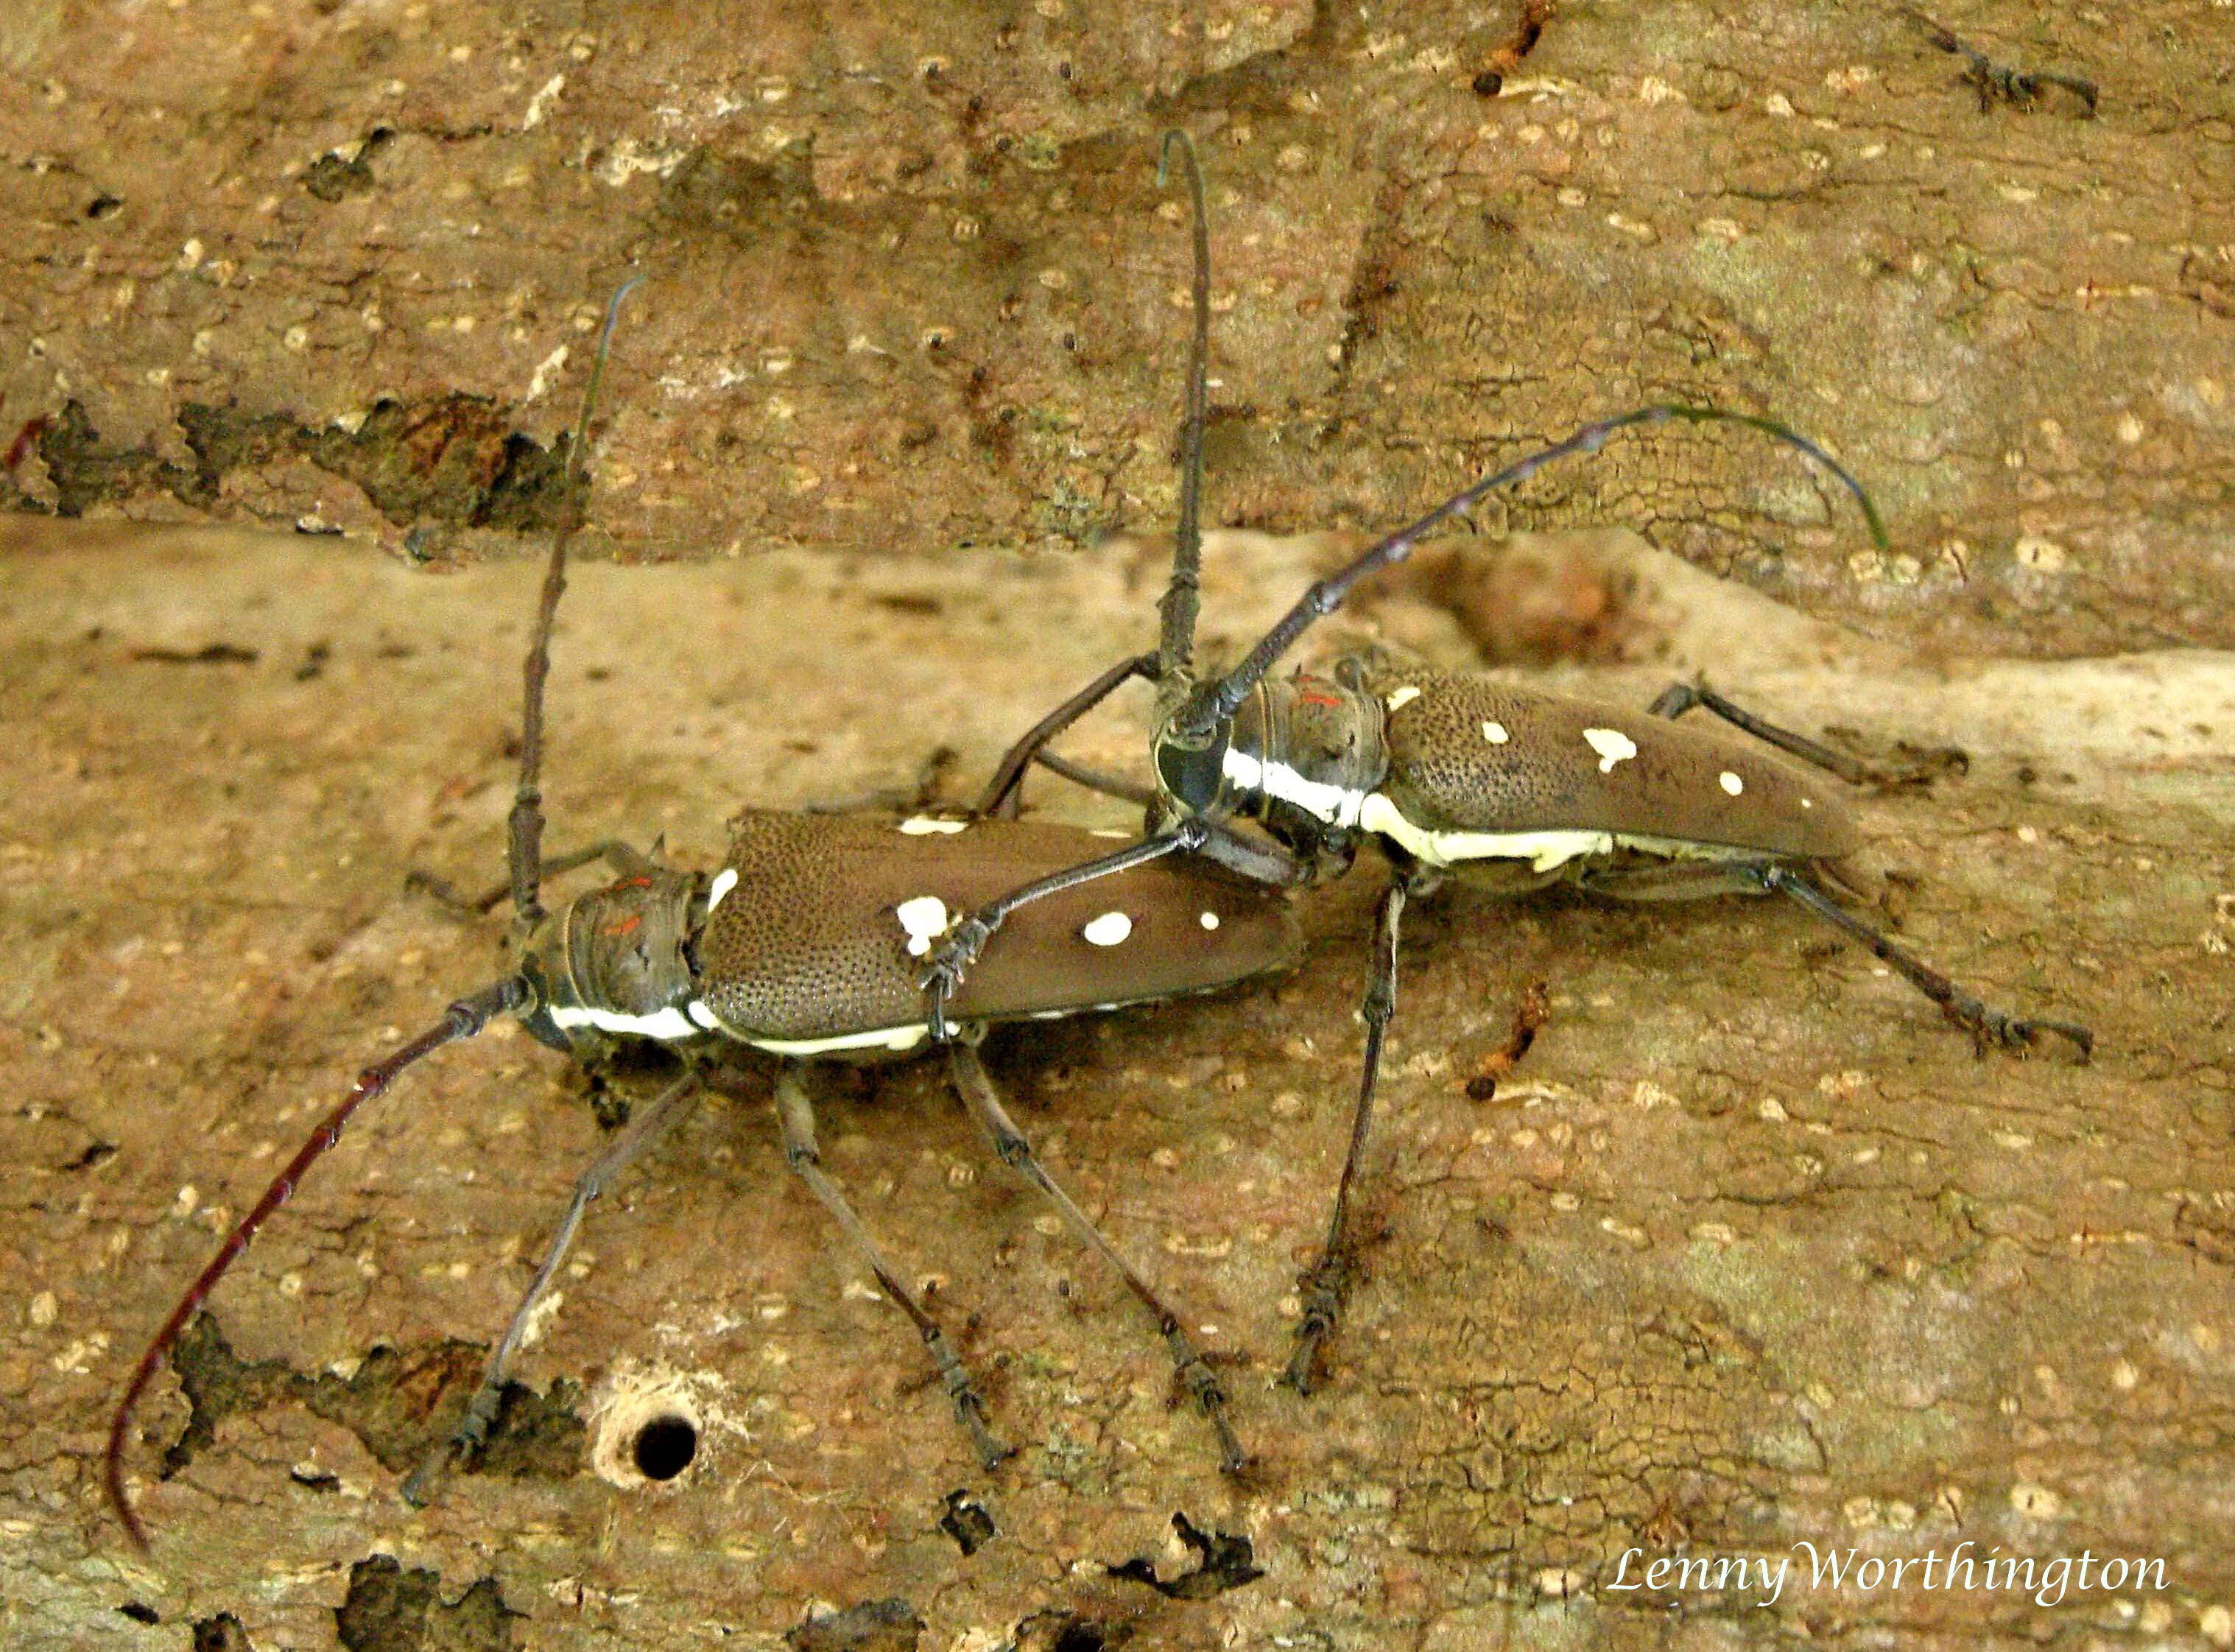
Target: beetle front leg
{"points": [[447, 895], [646, 1126], [1000, 794]]}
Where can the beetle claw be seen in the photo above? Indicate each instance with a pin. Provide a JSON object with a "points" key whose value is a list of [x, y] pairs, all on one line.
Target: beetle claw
{"points": [[948, 967], [2016, 1034]]}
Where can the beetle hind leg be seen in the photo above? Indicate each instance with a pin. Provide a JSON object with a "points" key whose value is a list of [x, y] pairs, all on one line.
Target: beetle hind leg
{"points": [[1680, 698], [796, 1115], [1987, 1026], [1915, 768], [975, 1085]]}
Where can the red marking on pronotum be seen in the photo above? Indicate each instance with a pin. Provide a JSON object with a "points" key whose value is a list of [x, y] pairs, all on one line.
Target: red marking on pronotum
{"points": [[463, 1018], [20, 446], [1317, 696], [626, 926]]}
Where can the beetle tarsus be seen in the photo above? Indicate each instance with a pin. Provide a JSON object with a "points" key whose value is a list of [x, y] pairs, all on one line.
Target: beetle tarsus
{"points": [[1986, 1024], [2016, 1034], [961, 949], [1323, 1286]]}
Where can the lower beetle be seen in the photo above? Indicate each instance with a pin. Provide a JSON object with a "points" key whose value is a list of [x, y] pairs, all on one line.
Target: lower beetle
{"points": [[805, 944]]}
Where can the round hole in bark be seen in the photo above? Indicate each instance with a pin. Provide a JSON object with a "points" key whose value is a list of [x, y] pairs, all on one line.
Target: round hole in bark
{"points": [[665, 1446]]}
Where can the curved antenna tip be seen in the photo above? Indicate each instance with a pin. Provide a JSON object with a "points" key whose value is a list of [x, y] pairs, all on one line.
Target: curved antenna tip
{"points": [[1174, 137]]}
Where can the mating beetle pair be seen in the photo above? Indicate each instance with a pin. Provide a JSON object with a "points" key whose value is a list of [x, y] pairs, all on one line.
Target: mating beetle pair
{"points": [[828, 937]]}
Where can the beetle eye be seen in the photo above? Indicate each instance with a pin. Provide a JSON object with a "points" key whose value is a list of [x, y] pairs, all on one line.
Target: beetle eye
{"points": [[1193, 779]]}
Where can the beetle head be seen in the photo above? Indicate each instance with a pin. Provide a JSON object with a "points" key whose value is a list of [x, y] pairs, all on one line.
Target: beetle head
{"points": [[616, 961]]}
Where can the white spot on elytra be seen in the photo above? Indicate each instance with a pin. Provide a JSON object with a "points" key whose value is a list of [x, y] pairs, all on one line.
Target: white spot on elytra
{"points": [[1108, 929], [925, 825], [1494, 733], [1612, 745], [1210, 921], [1732, 783], [924, 919], [1403, 697], [724, 880]]}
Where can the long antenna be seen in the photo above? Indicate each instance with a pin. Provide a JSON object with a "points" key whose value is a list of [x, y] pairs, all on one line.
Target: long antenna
{"points": [[463, 1018], [1176, 646], [524, 825], [1214, 706]]}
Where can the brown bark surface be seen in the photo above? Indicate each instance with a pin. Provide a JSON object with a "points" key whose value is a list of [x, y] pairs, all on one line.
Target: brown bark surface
{"points": [[1750, 1250]]}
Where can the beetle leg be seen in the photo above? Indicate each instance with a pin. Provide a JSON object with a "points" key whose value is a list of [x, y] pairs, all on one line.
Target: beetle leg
{"points": [[975, 1086], [446, 896], [796, 1114], [1986, 1024], [1262, 860], [967, 936], [1000, 797], [1680, 698], [1109, 785], [646, 1126], [1325, 1284]]}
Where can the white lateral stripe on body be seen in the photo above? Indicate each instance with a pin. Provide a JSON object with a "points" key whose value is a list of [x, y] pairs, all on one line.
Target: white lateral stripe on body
{"points": [[1336, 805], [724, 880], [926, 825], [670, 1023], [1543, 850], [883, 1037]]}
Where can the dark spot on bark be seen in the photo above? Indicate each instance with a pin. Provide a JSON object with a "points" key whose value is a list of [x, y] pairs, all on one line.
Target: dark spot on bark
{"points": [[967, 1522], [396, 1402], [330, 178], [223, 1632], [452, 459], [140, 1612], [873, 1626], [1224, 1560], [94, 1155], [215, 654], [389, 1610]]}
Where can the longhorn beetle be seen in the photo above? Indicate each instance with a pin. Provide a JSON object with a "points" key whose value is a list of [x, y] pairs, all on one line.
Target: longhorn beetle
{"points": [[1451, 774], [804, 944]]}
